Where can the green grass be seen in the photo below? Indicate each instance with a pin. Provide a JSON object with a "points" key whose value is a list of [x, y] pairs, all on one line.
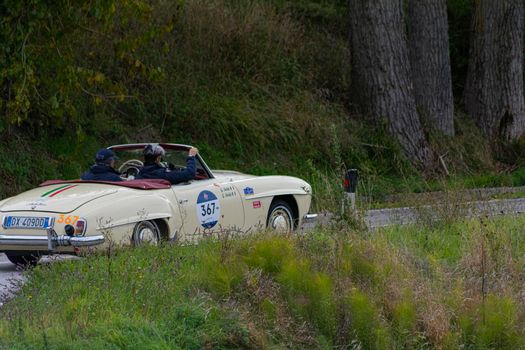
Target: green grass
{"points": [[414, 287], [448, 240]]}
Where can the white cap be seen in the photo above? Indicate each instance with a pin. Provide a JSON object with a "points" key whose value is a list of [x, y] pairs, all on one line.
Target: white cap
{"points": [[154, 149]]}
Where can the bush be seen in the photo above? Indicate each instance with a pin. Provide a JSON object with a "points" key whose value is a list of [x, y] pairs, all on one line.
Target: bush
{"points": [[221, 277], [497, 327], [404, 319], [270, 254], [310, 294], [365, 322]]}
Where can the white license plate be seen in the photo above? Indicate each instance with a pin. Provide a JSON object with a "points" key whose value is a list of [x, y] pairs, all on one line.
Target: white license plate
{"points": [[27, 222]]}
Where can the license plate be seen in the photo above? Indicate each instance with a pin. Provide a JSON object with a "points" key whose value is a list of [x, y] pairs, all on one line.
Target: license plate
{"points": [[27, 222]]}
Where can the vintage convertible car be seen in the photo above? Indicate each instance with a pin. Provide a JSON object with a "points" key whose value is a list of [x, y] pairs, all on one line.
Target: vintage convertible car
{"points": [[68, 217]]}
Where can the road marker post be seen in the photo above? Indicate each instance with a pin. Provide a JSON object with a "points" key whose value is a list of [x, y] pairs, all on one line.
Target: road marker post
{"points": [[350, 187]]}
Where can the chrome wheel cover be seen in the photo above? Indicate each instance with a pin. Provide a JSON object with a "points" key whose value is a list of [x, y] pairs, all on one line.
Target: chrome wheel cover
{"points": [[144, 234], [280, 220]]}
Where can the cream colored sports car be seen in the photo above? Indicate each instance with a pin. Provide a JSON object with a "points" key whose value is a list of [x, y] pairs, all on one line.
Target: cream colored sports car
{"points": [[68, 217]]}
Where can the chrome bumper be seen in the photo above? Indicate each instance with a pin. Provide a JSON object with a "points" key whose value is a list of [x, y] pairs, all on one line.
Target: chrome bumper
{"points": [[308, 218], [51, 241]]}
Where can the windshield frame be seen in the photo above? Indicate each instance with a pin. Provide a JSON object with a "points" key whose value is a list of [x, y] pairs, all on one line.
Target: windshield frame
{"points": [[166, 146]]}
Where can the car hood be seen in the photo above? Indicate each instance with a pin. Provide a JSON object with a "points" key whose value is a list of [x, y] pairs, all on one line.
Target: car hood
{"points": [[59, 198]]}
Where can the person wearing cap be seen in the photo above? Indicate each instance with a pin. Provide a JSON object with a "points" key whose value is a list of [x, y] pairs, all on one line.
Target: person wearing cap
{"points": [[104, 168], [153, 169]]}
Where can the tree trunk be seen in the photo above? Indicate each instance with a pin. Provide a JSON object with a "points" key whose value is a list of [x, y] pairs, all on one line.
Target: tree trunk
{"points": [[381, 74], [430, 62], [494, 87]]}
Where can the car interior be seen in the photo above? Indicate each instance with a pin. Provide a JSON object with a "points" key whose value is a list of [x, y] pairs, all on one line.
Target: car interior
{"points": [[130, 161]]}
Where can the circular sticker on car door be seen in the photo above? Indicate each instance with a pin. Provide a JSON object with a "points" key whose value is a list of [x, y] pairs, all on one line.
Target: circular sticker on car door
{"points": [[208, 209]]}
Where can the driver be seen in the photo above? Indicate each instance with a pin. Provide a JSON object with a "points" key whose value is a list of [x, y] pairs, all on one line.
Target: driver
{"points": [[153, 169], [104, 168]]}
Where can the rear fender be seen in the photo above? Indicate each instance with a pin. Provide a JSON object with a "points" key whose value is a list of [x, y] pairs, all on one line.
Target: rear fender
{"points": [[129, 210]]}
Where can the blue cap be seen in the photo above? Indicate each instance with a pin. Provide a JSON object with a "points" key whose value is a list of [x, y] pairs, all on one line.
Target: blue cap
{"points": [[105, 155]]}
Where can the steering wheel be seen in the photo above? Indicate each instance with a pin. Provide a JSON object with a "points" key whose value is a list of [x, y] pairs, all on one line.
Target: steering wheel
{"points": [[130, 168]]}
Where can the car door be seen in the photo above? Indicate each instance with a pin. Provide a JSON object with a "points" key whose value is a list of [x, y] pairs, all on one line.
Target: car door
{"points": [[208, 207]]}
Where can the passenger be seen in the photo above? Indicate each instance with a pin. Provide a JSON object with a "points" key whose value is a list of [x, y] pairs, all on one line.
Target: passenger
{"points": [[104, 168], [152, 169]]}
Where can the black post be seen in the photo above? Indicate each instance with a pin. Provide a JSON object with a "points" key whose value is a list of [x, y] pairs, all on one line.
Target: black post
{"points": [[350, 185], [351, 178]]}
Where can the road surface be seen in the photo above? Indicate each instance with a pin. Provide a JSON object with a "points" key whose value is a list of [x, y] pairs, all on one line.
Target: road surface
{"points": [[10, 278]]}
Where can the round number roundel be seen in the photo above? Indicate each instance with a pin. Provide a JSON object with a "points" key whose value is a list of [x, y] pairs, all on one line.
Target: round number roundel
{"points": [[208, 209]]}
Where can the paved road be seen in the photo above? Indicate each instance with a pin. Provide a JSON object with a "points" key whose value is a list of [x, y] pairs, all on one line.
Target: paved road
{"points": [[10, 278], [377, 218]]}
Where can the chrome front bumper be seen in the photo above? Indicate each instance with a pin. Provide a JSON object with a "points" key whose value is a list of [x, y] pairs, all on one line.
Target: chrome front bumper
{"points": [[309, 218], [51, 241]]}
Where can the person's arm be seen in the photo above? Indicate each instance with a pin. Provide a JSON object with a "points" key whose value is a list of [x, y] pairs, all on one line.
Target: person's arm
{"points": [[116, 178], [187, 174]]}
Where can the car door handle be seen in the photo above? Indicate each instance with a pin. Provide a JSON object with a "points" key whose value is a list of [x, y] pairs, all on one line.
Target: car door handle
{"points": [[183, 201]]}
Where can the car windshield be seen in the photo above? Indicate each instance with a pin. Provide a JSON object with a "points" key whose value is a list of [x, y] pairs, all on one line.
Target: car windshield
{"points": [[131, 160]]}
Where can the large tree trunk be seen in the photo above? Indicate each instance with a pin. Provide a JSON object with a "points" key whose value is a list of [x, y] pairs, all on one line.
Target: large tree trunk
{"points": [[381, 74], [494, 87], [430, 62]]}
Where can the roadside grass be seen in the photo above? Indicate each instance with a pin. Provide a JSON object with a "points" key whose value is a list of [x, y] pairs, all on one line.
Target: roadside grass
{"points": [[421, 287]]}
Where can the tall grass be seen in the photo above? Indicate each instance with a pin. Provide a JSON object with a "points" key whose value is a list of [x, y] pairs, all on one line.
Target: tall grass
{"points": [[328, 288]]}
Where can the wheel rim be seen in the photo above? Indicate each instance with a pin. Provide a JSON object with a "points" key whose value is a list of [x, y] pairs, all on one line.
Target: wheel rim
{"points": [[147, 234], [280, 220]]}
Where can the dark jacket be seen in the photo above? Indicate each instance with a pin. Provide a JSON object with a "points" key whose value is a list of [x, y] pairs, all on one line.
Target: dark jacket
{"points": [[155, 171], [100, 172]]}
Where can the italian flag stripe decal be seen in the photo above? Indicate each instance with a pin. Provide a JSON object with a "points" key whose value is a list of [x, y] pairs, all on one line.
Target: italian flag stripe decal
{"points": [[57, 190]]}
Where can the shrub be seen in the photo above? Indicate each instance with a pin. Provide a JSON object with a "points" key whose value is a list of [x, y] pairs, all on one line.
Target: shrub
{"points": [[270, 254], [221, 277], [404, 318], [310, 294], [365, 322], [498, 328], [363, 269]]}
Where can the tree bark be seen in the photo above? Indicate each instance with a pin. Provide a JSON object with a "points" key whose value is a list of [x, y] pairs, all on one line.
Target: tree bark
{"points": [[430, 62], [381, 74], [494, 87]]}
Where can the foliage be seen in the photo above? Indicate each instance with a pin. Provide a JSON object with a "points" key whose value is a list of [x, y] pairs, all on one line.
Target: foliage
{"points": [[46, 78], [270, 255], [365, 322], [263, 87], [329, 288], [310, 294], [258, 86]]}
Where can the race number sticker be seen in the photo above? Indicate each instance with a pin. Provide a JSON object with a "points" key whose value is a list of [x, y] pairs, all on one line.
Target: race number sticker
{"points": [[208, 209]]}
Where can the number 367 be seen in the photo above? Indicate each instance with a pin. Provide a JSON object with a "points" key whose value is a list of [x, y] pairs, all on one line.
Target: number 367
{"points": [[207, 209], [68, 220]]}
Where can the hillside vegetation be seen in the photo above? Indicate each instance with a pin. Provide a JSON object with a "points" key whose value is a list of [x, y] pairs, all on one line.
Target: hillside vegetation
{"points": [[453, 285], [261, 86]]}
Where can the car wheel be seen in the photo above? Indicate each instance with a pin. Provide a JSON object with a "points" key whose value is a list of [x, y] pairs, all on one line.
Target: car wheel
{"points": [[280, 217], [23, 259], [146, 232]]}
